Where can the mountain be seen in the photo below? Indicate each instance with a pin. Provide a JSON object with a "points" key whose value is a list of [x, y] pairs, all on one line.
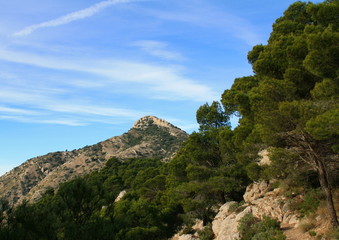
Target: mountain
{"points": [[150, 137]]}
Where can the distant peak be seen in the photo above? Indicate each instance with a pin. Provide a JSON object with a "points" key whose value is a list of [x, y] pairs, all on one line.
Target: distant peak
{"points": [[148, 121], [151, 120]]}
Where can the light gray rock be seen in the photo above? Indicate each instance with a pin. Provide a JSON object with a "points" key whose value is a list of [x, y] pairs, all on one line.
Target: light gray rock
{"points": [[223, 213], [255, 191], [225, 227], [260, 202], [184, 237]]}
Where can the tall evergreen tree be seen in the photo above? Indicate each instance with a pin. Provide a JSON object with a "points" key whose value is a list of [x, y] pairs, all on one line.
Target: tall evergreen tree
{"points": [[292, 101]]}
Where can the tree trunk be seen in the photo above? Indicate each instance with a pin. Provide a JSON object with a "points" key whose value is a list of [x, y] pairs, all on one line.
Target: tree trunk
{"points": [[312, 153], [328, 192]]}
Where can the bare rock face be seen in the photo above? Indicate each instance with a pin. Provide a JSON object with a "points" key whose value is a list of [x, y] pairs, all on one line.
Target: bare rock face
{"points": [[225, 223], [149, 137], [260, 201], [145, 122], [255, 191], [184, 237]]}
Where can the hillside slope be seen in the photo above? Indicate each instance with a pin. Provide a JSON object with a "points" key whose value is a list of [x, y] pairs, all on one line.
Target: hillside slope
{"points": [[149, 137]]}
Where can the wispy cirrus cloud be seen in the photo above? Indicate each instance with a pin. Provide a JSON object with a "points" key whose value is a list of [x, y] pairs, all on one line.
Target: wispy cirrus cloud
{"points": [[74, 16], [30, 119], [159, 49], [25, 115], [160, 82], [46, 102], [12, 110], [50, 100], [57, 111]]}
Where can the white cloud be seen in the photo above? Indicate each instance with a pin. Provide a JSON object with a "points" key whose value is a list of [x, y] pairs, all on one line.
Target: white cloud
{"points": [[59, 121], [88, 109], [158, 49], [46, 101], [50, 107], [86, 84], [84, 13], [17, 111], [165, 82]]}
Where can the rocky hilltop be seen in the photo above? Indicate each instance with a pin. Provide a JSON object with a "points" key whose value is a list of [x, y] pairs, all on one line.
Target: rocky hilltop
{"points": [[149, 137]]}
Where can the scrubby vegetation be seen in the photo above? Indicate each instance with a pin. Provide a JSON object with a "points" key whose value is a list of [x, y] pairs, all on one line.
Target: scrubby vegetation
{"points": [[154, 207], [251, 228], [289, 106]]}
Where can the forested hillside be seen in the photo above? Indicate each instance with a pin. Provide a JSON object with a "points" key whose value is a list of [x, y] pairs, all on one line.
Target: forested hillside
{"points": [[289, 107], [149, 137]]}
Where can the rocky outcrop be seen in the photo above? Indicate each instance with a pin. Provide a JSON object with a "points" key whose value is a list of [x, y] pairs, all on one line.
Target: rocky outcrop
{"points": [[225, 224], [271, 203], [120, 196], [255, 191], [146, 121], [149, 137], [260, 200], [184, 237]]}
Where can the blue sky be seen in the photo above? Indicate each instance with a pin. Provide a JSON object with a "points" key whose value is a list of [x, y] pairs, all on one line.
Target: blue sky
{"points": [[73, 73]]}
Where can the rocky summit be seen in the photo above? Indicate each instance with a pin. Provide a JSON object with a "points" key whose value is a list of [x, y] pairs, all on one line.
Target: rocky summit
{"points": [[149, 137]]}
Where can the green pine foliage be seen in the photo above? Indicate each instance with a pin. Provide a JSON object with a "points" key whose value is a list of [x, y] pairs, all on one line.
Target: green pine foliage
{"points": [[290, 106]]}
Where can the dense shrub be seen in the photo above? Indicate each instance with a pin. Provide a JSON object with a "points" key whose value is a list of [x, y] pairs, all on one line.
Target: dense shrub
{"points": [[206, 233], [251, 228], [310, 202]]}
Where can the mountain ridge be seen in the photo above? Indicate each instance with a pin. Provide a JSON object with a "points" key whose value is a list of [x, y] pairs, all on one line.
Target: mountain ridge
{"points": [[149, 137]]}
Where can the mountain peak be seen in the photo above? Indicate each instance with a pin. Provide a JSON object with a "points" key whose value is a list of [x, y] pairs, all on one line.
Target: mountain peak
{"points": [[150, 137], [148, 121]]}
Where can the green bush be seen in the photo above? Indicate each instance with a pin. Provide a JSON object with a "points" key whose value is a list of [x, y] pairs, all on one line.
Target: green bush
{"points": [[206, 233], [236, 207], [251, 228], [269, 235], [245, 227], [233, 207], [310, 203], [275, 185]]}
